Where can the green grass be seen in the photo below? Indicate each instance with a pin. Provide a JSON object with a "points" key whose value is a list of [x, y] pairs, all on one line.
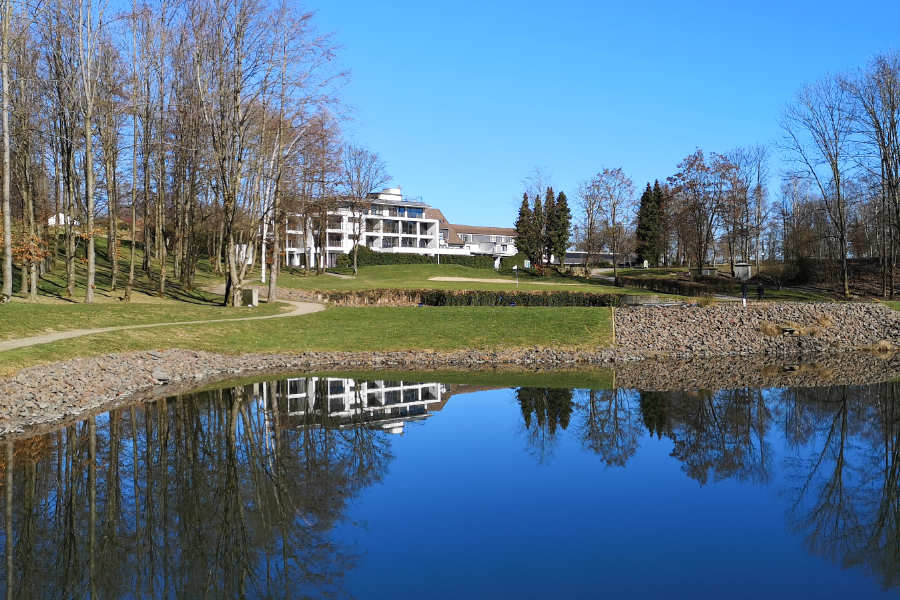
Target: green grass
{"points": [[895, 304], [352, 329], [23, 319], [418, 277]]}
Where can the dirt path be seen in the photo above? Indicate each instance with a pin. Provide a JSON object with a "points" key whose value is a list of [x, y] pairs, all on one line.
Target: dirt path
{"points": [[498, 280], [299, 308]]}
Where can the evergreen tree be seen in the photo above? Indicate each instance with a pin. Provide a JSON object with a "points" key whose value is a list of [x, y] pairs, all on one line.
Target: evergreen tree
{"points": [[562, 225], [535, 241], [649, 231], [549, 225], [524, 226], [643, 232], [658, 222]]}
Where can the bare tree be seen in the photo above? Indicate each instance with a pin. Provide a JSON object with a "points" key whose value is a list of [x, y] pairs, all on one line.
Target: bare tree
{"points": [[698, 188], [6, 7], [364, 172], [876, 92], [591, 218], [615, 200], [90, 26], [819, 128]]}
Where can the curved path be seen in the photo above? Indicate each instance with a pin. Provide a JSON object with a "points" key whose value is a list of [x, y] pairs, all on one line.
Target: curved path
{"points": [[300, 308]]}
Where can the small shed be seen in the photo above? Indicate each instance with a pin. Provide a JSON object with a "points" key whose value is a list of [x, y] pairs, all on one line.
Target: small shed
{"points": [[743, 271]]}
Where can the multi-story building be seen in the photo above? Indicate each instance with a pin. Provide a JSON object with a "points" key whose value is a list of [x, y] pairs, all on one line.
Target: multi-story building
{"points": [[391, 223]]}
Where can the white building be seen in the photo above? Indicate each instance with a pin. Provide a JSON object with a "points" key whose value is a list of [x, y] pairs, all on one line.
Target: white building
{"points": [[391, 223], [61, 219]]}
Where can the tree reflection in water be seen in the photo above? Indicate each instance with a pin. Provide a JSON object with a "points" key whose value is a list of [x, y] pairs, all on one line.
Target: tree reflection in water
{"points": [[841, 458], [236, 492], [207, 496]]}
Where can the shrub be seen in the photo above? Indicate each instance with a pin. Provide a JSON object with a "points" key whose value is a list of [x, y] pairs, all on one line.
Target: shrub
{"points": [[469, 298]]}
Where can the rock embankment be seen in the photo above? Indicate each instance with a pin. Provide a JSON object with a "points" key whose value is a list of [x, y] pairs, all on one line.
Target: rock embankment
{"points": [[757, 329], [46, 394]]}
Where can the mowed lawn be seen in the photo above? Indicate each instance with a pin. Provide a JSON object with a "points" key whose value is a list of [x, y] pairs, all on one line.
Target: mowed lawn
{"points": [[24, 319], [419, 277], [352, 329]]}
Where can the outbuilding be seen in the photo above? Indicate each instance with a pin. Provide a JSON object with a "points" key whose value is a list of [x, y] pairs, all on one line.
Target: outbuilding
{"points": [[743, 271]]}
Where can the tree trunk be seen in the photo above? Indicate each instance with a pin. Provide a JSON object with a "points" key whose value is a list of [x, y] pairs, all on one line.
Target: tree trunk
{"points": [[89, 201], [7, 220]]}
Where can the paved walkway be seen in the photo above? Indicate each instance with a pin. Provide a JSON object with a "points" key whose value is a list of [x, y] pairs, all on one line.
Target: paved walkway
{"points": [[300, 308]]}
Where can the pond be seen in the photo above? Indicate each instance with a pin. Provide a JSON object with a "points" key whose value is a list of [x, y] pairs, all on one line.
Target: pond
{"points": [[381, 487]]}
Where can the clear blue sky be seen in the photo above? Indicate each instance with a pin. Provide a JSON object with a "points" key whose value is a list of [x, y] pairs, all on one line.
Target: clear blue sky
{"points": [[462, 99]]}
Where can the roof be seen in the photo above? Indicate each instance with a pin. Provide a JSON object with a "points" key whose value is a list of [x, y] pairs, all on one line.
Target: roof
{"points": [[454, 231]]}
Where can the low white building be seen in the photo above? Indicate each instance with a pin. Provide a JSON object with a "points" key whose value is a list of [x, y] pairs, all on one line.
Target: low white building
{"points": [[388, 222], [61, 219]]}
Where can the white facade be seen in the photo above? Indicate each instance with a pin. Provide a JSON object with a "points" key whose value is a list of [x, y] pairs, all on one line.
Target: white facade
{"points": [[388, 223]]}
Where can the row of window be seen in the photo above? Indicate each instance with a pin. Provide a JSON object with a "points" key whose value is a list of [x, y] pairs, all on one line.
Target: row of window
{"points": [[397, 211]]}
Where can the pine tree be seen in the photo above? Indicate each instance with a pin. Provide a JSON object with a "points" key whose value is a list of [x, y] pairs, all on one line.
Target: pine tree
{"points": [[524, 226], [562, 225], [649, 233], [535, 238], [643, 232], [658, 224], [549, 225]]}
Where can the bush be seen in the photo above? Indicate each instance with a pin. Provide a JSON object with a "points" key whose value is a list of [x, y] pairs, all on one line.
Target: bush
{"points": [[508, 262], [370, 258], [469, 298]]}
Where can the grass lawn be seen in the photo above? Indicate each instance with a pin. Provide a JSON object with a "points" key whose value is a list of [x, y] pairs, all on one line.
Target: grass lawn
{"points": [[23, 319], [895, 304], [417, 277], [349, 329]]}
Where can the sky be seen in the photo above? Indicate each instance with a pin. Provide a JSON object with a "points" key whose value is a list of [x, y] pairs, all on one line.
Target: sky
{"points": [[463, 99]]}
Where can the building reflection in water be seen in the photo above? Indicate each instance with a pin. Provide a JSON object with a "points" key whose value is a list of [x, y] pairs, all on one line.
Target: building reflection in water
{"points": [[341, 402]]}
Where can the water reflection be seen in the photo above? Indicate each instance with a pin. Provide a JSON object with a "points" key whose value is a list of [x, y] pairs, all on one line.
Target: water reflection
{"points": [[237, 492]]}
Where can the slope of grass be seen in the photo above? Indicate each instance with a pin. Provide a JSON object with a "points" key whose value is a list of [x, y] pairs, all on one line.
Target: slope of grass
{"points": [[52, 286], [352, 329]]}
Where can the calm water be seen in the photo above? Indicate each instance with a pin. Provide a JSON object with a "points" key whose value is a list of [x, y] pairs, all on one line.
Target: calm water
{"points": [[316, 487]]}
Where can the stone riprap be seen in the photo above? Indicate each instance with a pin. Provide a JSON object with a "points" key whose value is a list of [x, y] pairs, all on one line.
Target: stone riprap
{"points": [[734, 330]]}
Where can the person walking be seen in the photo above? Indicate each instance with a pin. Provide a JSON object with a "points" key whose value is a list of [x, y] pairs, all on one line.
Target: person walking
{"points": [[760, 290], [744, 292]]}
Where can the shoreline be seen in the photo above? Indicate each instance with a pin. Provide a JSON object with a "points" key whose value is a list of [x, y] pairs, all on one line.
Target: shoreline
{"points": [[686, 347], [47, 396]]}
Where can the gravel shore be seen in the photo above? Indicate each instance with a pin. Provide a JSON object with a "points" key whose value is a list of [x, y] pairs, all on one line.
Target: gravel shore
{"points": [[680, 340], [734, 330]]}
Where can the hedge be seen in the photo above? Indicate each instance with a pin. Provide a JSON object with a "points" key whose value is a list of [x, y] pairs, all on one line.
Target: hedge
{"points": [[392, 297], [369, 258], [701, 286]]}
